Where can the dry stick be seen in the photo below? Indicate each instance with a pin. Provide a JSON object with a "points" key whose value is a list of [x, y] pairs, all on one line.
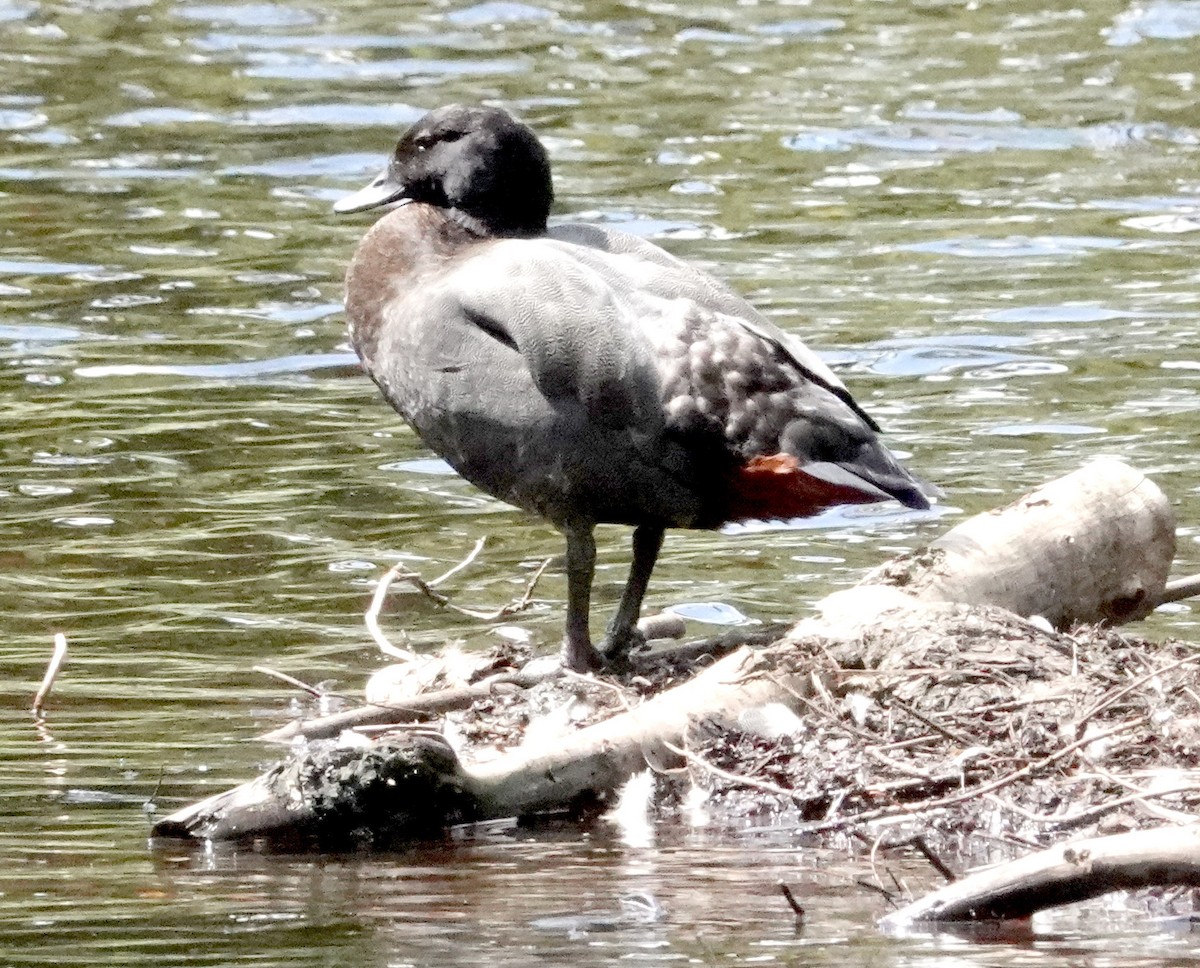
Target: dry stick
{"points": [[1006, 706], [788, 896], [899, 811], [700, 761], [290, 680], [903, 744], [398, 570], [151, 802], [471, 556], [423, 706], [912, 786], [950, 734], [426, 588], [58, 657], [1179, 589], [892, 897], [459, 697], [589, 679], [899, 767], [1106, 702], [875, 863], [1161, 812], [1082, 817], [519, 605], [921, 846], [376, 606]]}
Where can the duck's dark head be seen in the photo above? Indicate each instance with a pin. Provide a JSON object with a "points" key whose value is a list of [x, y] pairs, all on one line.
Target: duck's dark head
{"points": [[480, 163]]}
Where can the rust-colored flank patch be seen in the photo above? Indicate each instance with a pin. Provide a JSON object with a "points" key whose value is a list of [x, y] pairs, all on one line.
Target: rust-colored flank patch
{"points": [[774, 487]]}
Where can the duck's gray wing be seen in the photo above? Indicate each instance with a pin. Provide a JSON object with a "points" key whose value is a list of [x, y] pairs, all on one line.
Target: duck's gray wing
{"points": [[579, 332], [657, 271], [646, 345]]}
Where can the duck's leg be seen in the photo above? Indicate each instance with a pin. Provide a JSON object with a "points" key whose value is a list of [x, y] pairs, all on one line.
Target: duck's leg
{"points": [[579, 654], [623, 633]]}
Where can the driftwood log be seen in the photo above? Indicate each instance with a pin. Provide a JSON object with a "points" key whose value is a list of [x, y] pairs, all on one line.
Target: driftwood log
{"points": [[1094, 545], [1061, 875]]}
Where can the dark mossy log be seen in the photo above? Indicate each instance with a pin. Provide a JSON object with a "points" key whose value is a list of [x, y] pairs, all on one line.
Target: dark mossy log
{"points": [[404, 785], [397, 788], [1095, 540], [1061, 875]]}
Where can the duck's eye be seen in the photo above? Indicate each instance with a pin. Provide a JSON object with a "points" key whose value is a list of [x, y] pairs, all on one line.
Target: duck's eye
{"points": [[423, 142]]}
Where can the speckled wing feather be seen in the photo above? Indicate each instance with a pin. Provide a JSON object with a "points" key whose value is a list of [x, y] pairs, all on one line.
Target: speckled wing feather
{"points": [[642, 341], [656, 270]]}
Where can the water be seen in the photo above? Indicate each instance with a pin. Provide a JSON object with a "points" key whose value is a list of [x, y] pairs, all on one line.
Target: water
{"points": [[985, 215]]}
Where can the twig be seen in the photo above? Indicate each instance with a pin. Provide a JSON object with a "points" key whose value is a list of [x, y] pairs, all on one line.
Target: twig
{"points": [[474, 553], [788, 896], [908, 811], [892, 897], [1083, 817], [700, 761], [57, 658], [1162, 812], [419, 707], [920, 717], [459, 697], [1179, 589], [511, 608], [903, 744], [1007, 706], [151, 802], [935, 781], [875, 861], [290, 680], [919, 844], [372, 617], [621, 692], [1106, 702], [426, 588], [899, 767]]}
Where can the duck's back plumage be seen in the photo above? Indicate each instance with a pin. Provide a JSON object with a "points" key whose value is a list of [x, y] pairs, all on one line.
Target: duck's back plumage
{"points": [[589, 375]]}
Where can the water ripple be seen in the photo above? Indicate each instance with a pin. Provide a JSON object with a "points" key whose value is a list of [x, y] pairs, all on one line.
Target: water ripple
{"points": [[963, 138], [498, 12], [1037, 429], [1017, 246], [249, 369], [247, 14], [310, 70], [1065, 313], [1157, 20]]}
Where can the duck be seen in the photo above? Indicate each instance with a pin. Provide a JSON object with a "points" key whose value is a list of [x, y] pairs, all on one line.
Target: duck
{"points": [[584, 374]]}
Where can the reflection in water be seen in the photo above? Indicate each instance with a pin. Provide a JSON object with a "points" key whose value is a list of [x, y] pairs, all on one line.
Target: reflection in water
{"points": [[984, 215]]}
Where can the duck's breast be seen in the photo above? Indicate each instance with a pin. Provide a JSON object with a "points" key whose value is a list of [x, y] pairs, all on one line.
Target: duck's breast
{"points": [[527, 373]]}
